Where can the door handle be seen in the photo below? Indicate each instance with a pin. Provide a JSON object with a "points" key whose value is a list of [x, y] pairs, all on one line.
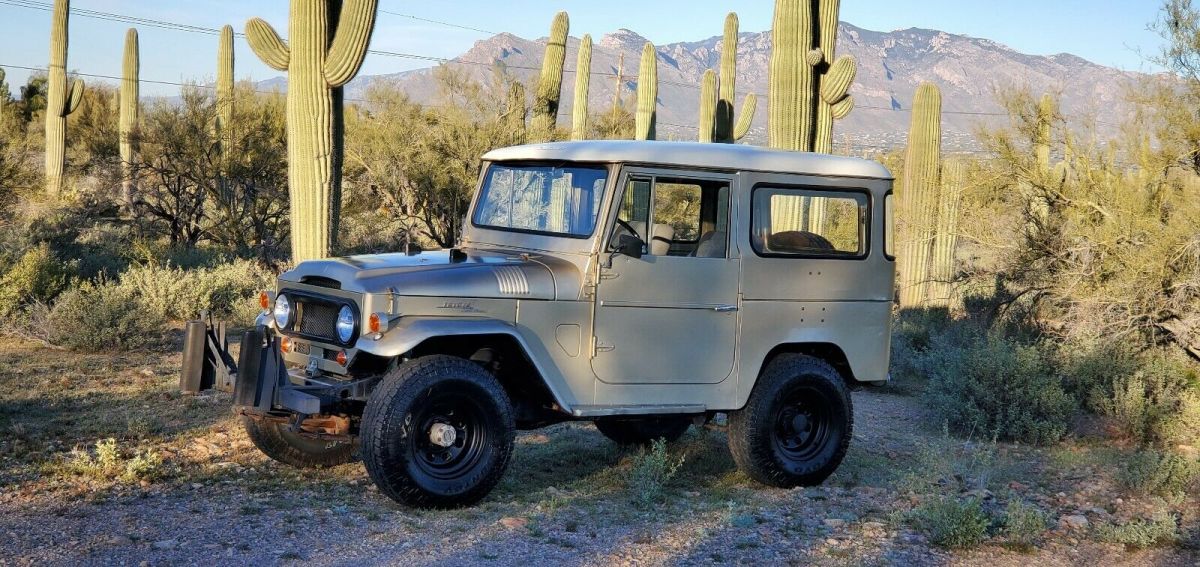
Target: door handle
{"points": [[725, 308]]}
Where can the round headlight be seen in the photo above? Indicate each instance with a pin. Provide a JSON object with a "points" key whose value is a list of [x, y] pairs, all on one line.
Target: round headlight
{"points": [[283, 312], [346, 324]]}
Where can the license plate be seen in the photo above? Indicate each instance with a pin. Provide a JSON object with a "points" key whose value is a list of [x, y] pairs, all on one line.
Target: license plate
{"points": [[300, 348]]}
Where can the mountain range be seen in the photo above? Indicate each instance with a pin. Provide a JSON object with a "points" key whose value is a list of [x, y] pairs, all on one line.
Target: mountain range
{"points": [[970, 71]]}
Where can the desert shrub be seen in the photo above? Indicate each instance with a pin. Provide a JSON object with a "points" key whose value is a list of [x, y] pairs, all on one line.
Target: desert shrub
{"points": [[101, 317], [107, 462], [952, 523], [1159, 529], [226, 290], [652, 469], [1164, 474], [992, 385], [1024, 524], [38, 276], [1159, 404], [1092, 368]]}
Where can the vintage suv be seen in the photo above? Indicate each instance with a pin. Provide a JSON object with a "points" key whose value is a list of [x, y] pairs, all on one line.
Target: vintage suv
{"points": [[645, 286]]}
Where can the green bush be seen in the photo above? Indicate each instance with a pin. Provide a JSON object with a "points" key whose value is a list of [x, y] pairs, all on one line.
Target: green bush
{"points": [[226, 290], [109, 463], [38, 277], [1024, 524], [652, 470], [1091, 369], [1159, 404], [102, 317], [1163, 474], [952, 523], [991, 385], [1160, 529]]}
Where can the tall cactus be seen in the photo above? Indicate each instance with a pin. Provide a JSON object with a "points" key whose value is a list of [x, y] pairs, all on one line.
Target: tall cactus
{"points": [[549, 89], [128, 119], [708, 106], [919, 193], [1047, 108], [945, 240], [225, 90], [327, 44], [727, 129], [514, 112], [808, 88], [60, 101], [647, 94], [583, 77]]}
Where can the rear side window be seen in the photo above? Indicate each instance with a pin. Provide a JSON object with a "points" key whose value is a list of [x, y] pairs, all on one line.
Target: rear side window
{"points": [[809, 223]]}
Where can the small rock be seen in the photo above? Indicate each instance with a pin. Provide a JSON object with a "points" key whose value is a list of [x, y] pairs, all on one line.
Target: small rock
{"points": [[197, 486], [1119, 501], [166, 544], [1061, 495], [513, 523], [1074, 522], [831, 541], [835, 523]]}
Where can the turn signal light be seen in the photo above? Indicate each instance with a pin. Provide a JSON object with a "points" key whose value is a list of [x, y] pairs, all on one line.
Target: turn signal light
{"points": [[264, 300], [341, 358], [285, 344], [374, 323]]}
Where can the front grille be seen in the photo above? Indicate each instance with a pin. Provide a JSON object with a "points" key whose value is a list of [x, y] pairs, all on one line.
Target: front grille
{"points": [[317, 318]]}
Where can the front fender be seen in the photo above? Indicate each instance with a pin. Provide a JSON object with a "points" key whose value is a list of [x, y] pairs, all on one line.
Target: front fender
{"points": [[409, 332]]}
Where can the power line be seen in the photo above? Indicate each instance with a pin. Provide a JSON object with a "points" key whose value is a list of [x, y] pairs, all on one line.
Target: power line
{"points": [[439, 22]]}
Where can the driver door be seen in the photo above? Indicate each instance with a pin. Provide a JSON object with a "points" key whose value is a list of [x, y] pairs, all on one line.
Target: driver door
{"points": [[669, 317]]}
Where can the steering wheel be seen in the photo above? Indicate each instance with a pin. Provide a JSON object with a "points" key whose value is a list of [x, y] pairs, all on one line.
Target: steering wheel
{"points": [[629, 227]]}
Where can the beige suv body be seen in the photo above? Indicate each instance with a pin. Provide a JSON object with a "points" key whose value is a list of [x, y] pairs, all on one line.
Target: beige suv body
{"points": [[559, 292]]}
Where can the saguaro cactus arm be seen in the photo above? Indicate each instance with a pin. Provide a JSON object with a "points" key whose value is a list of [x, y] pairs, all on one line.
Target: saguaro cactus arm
{"points": [[349, 46], [746, 118], [583, 78], [267, 44], [708, 106], [74, 97]]}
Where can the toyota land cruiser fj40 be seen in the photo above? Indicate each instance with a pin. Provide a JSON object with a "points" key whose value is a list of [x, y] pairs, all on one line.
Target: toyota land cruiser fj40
{"points": [[644, 286]]}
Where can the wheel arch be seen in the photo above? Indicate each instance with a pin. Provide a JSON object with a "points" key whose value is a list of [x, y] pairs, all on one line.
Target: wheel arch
{"points": [[523, 368], [827, 351]]}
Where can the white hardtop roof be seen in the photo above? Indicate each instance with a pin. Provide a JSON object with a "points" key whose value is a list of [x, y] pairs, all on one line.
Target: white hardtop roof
{"points": [[732, 157]]}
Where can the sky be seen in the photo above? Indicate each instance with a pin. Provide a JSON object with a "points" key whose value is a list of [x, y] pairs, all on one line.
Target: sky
{"points": [[1109, 32]]}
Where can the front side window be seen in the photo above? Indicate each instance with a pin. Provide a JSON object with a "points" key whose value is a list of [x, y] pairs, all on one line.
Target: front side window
{"points": [[675, 216], [539, 198], [800, 222]]}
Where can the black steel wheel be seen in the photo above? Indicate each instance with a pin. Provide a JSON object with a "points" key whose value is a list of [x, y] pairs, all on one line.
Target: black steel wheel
{"points": [[796, 427], [437, 433]]}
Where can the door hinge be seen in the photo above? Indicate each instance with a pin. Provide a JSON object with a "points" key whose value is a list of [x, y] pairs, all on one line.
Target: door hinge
{"points": [[598, 346], [606, 274]]}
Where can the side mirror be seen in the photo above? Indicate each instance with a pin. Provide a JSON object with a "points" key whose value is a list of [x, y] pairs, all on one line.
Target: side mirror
{"points": [[629, 245]]}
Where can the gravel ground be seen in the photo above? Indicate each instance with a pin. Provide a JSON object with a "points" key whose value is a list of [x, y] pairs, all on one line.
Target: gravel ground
{"points": [[565, 499]]}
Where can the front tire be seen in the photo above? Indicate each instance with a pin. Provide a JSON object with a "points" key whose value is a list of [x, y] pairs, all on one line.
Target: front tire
{"points": [[437, 432], [797, 424], [276, 441], [641, 431]]}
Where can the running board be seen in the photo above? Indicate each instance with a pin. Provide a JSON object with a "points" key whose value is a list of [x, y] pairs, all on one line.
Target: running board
{"points": [[605, 411]]}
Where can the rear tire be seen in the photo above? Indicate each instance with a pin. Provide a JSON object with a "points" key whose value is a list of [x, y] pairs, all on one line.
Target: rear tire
{"points": [[797, 424], [641, 431], [425, 396], [293, 449]]}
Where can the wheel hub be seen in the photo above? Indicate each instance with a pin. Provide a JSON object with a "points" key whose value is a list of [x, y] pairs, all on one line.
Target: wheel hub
{"points": [[442, 434], [800, 423]]}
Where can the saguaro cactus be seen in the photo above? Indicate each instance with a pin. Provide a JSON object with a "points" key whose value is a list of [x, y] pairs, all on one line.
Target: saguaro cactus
{"points": [[808, 88], [647, 94], [549, 89], [128, 119], [225, 90], [514, 112], [583, 78], [945, 240], [60, 101], [727, 129], [325, 50], [919, 193]]}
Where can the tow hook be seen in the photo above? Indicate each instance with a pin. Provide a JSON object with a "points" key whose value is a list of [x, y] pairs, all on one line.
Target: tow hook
{"points": [[442, 435]]}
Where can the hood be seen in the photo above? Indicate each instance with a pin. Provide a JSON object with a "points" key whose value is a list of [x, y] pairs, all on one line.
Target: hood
{"points": [[469, 273]]}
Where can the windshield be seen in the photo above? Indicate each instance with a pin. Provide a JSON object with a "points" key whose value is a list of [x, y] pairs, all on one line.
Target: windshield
{"points": [[546, 199]]}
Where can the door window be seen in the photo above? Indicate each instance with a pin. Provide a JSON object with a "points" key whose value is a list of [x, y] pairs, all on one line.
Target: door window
{"points": [[690, 217]]}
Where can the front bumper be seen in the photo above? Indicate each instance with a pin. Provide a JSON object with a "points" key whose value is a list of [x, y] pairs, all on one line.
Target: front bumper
{"points": [[265, 385]]}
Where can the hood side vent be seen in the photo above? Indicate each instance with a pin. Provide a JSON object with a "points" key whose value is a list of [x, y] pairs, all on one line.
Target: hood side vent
{"points": [[321, 281], [512, 280]]}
